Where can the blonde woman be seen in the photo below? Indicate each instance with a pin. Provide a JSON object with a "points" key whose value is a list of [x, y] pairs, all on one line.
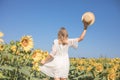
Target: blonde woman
{"points": [[56, 65]]}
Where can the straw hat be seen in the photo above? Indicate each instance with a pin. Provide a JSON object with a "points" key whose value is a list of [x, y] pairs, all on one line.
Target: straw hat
{"points": [[88, 17]]}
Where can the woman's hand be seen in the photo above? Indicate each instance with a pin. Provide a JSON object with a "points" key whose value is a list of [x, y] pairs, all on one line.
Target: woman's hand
{"points": [[86, 24], [46, 59]]}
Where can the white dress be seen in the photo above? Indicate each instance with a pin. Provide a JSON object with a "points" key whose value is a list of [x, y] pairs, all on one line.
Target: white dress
{"points": [[58, 67]]}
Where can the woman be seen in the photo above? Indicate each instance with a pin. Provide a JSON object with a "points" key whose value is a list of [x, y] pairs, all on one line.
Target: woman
{"points": [[57, 63]]}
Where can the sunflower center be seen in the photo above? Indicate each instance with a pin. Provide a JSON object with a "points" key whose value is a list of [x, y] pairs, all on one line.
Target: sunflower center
{"points": [[25, 42], [1, 46]]}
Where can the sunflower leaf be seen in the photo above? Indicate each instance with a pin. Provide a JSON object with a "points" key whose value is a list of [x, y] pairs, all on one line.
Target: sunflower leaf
{"points": [[7, 68], [25, 70]]}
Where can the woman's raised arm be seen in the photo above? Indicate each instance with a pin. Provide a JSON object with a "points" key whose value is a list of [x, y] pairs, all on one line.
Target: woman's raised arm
{"points": [[84, 32]]}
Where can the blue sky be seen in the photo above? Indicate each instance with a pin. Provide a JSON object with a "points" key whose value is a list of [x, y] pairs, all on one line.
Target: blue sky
{"points": [[43, 18]]}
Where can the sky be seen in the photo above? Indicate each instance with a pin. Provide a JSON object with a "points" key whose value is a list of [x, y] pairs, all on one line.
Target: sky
{"points": [[42, 19]]}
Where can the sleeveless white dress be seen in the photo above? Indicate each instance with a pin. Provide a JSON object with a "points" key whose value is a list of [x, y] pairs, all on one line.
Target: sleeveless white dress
{"points": [[58, 67]]}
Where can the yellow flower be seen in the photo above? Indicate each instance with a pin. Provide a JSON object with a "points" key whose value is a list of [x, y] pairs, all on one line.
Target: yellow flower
{"points": [[73, 62], [82, 61], [89, 68], [111, 74], [1, 47], [115, 67], [80, 68], [37, 55], [1, 34], [36, 67], [26, 42], [13, 48], [46, 54], [92, 62], [118, 75], [43, 58], [111, 70], [98, 67]]}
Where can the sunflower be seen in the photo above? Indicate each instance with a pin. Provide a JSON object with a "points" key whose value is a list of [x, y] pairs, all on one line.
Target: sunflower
{"points": [[37, 55], [36, 67], [26, 42], [82, 62], [13, 48], [80, 68], [1, 34], [89, 68], [1, 47], [115, 67], [46, 54], [99, 67], [92, 62], [73, 62], [111, 74]]}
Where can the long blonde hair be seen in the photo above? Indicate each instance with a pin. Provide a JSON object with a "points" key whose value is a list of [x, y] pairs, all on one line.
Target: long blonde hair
{"points": [[63, 36]]}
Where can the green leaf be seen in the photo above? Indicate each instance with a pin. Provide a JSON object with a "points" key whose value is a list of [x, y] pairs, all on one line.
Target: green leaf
{"points": [[97, 78], [25, 70], [33, 78], [7, 68], [3, 77], [72, 67], [8, 56]]}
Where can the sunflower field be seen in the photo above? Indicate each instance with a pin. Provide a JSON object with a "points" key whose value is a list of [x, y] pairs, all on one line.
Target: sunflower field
{"points": [[20, 61]]}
